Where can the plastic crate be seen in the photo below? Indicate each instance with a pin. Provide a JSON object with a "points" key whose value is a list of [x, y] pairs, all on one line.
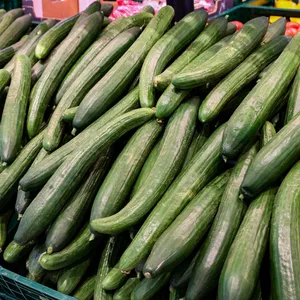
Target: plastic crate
{"points": [[10, 4]]}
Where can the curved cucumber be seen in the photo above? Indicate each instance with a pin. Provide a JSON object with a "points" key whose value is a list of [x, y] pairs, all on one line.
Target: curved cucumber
{"points": [[293, 106], [69, 114], [4, 219], [86, 290], [125, 291], [35, 270], [114, 279], [7, 53], [14, 252], [275, 29]]}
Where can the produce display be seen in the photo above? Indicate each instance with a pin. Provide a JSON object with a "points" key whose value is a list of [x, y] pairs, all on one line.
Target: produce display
{"points": [[146, 160]]}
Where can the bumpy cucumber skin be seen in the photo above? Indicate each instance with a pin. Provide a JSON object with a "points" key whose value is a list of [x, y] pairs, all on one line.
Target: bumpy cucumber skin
{"points": [[293, 106], [86, 290]]}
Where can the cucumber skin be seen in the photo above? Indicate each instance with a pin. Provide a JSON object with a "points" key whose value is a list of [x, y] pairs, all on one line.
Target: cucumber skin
{"points": [[203, 167], [107, 9], [4, 219], [284, 244], [54, 195], [268, 132], [8, 18], [274, 30], [7, 53], [184, 234], [114, 279], [39, 175], [14, 112], [119, 77], [67, 53], [293, 106], [86, 290], [34, 268], [69, 114], [125, 291], [4, 79], [14, 252], [215, 248], [175, 143]]}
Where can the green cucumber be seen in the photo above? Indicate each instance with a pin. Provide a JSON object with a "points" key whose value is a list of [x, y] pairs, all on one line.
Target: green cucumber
{"points": [[35, 270], [67, 53], [4, 219], [69, 114], [134, 83], [240, 46], [265, 70], [274, 30], [106, 22], [205, 165], [240, 77], [70, 278], [8, 18], [15, 108], [148, 288], [149, 9], [56, 192], [108, 34], [107, 9], [52, 276], [293, 106], [172, 97], [40, 174], [87, 79], [231, 29], [284, 241], [125, 291], [86, 290], [114, 279], [70, 219], [268, 132], [54, 36], [257, 106], [184, 234], [117, 185], [257, 294], [176, 140], [4, 79], [240, 272], [2, 13], [165, 49], [213, 253], [7, 53], [15, 31], [214, 32], [119, 77], [14, 252]]}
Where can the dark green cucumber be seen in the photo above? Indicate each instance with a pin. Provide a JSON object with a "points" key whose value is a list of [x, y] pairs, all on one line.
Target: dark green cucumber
{"points": [[257, 294], [214, 251], [87, 79], [107, 9], [52, 276], [14, 252], [274, 30], [148, 288], [240, 46], [214, 32], [125, 291], [165, 49], [7, 53], [148, 9], [54, 36], [40, 174], [8, 18], [15, 108], [265, 70], [257, 106], [67, 53], [70, 219], [293, 106], [176, 140], [117, 185], [12, 174], [69, 114], [119, 77], [86, 290], [240, 77], [114, 279], [4, 219], [240, 272], [205, 165], [172, 97], [284, 240], [108, 34], [273, 160], [15, 31], [35, 270], [267, 133], [184, 234], [231, 29], [4, 79], [106, 22], [56, 192], [70, 278]]}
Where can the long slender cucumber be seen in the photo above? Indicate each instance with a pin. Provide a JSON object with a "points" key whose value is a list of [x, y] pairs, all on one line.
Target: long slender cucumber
{"points": [[293, 106], [4, 219], [35, 270], [86, 290], [14, 252]]}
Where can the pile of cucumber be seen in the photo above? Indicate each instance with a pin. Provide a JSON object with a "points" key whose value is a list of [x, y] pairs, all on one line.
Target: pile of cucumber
{"points": [[147, 160]]}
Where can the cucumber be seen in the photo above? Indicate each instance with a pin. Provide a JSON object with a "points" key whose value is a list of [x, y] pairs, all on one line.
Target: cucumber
{"points": [[148, 288], [12, 174], [54, 195], [52, 276], [15, 252], [2, 12], [86, 290], [165, 49], [4, 219], [240, 46], [240, 272], [70, 278], [107, 9], [214, 32], [184, 234], [134, 83], [125, 291], [15, 31], [70, 219], [69, 114], [7, 53], [108, 34], [215, 248], [54, 36], [274, 30], [119, 77], [89, 77], [176, 140], [35, 270], [265, 70], [68, 52], [114, 279], [4, 79], [39, 175], [293, 106], [240, 77], [284, 243], [268, 132], [231, 29], [117, 185], [205, 165], [257, 294], [273, 160], [8, 18], [106, 22], [14, 113], [172, 97], [148, 9]]}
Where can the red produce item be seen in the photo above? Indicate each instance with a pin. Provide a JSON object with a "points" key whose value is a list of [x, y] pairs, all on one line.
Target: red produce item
{"points": [[238, 24]]}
